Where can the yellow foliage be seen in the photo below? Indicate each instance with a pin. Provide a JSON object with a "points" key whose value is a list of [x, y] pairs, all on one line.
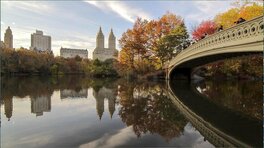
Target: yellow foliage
{"points": [[250, 12], [247, 12], [228, 18]]}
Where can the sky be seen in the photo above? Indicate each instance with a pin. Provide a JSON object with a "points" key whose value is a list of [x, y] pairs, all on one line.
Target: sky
{"points": [[74, 24]]}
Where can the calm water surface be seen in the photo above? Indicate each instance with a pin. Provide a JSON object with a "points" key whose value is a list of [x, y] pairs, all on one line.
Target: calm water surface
{"points": [[82, 112]]}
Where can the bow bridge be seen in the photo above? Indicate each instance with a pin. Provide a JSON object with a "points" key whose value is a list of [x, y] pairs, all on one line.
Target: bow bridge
{"points": [[220, 126], [242, 39]]}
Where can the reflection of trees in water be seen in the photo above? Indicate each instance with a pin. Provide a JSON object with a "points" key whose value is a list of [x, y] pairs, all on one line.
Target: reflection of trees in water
{"points": [[35, 86], [147, 108], [40, 89], [23, 86], [242, 96], [97, 84], [144, 106]]}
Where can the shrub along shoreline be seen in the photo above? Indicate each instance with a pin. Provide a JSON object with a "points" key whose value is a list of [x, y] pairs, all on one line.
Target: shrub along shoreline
{"points": [[23, 62], [30, 62]]}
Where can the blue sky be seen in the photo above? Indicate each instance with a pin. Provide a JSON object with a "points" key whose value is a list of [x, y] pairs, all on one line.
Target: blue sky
{"points": [[74, 24]]}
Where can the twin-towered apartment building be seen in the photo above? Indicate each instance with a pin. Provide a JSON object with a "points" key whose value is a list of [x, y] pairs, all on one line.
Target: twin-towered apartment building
{"points": [[41, 42], [100, 52]]}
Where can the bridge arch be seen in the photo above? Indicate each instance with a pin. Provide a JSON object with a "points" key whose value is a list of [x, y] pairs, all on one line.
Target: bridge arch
{"points": [[243, 39]]}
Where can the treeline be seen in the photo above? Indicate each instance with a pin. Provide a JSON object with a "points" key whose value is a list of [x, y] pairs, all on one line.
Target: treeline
{"points": [[45, 85], [149, 45], [146, 48], [30, 62], [246, 67]]}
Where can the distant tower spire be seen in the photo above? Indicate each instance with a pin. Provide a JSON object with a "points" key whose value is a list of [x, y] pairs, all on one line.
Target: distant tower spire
{"points": [[8, 103], [100, 39], [111, 106], [8, 39], [112, 40]]}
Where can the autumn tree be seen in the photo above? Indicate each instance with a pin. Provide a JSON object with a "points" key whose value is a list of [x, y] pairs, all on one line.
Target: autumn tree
{"points": [[204, 28], [249, 12], [245, 10], [228, 18], [133, 45], [243, 67], [156, 30], [169, 45], [140, 46]]}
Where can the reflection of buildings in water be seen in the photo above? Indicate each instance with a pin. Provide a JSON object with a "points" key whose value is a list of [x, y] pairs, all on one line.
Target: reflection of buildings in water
{"points": [[40, 104], [111, 106], [8, 103], [100, 107], [72, 94], [104, 93]]}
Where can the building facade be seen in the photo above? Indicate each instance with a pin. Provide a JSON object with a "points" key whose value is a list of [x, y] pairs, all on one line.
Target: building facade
{"points": [[71, 53], [8, 39], [40, 42], [102, 53]]}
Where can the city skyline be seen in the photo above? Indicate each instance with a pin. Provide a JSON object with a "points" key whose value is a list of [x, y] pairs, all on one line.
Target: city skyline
{"points": [[75, 24]]}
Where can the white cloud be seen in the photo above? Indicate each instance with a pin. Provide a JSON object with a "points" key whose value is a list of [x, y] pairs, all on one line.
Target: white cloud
{"points": [[121, 9], [71, 44], [32, 6], [207, 9], [115, 140]]}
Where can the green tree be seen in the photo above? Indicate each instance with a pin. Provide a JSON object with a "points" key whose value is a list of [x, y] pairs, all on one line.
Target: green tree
{"points": [[169, 45]]}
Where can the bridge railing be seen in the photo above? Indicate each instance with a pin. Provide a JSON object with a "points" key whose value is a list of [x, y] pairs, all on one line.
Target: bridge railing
{"points": [[240, 32]]}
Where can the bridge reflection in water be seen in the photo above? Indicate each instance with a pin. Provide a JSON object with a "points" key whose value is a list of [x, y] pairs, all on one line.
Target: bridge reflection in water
{"points": [[221, 126], [224, 114]]}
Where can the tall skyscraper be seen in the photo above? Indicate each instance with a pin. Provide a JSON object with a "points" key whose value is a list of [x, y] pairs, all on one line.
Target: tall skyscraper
{"points": [[8, 38], [40, 42]]}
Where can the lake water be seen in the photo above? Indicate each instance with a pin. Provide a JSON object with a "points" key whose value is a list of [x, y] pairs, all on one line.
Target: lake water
{"points": [[81, 112]]}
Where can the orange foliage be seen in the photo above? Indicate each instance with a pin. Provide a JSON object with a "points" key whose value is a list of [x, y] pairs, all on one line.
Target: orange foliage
{"points": [[139, 44]]}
